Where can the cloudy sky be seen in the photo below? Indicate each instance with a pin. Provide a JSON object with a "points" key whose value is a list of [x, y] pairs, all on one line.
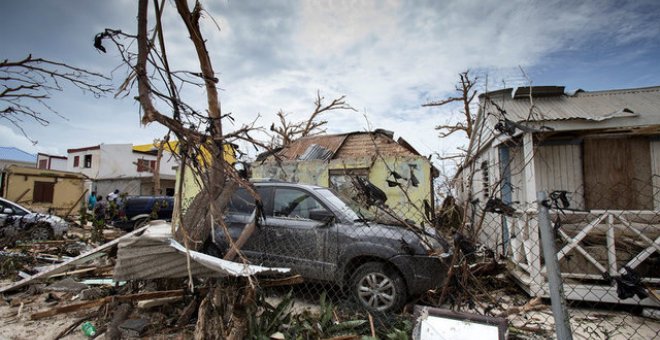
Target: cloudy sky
{"points": [[388, 57]]}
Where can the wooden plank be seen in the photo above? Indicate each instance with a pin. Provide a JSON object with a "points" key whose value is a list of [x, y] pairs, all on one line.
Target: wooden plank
{"points": [[625, 222], [584, 253], [54, 269], [643, 255], [573, 242], [95, 303], [530, 175]]}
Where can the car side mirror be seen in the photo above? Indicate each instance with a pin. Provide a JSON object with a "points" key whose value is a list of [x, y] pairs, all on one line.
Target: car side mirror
{"points": [[321, 215], [7, 211]]}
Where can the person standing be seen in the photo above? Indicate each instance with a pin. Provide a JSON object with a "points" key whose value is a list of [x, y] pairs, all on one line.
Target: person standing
{"points": [[112, 197], [91, 202]]}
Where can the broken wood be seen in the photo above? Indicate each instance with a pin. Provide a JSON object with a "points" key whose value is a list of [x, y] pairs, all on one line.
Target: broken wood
{"points": [[58, 268], [18, 199], [146, 304], [188, 312], [291, 280], [242, 238], [75, 204], [100, 302], [532, 305]]}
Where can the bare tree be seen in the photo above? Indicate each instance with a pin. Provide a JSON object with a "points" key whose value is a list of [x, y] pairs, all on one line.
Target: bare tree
{"points": [[26, 86], [201, 144], [467, 93], [287, 131]]}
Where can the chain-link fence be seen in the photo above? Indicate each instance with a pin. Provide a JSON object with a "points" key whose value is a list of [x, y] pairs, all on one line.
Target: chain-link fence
{"points": [[370, 266], [607, 258]]}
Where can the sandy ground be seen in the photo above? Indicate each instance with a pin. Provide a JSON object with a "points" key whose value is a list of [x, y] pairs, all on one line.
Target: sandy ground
{"points": [[15, 326]]}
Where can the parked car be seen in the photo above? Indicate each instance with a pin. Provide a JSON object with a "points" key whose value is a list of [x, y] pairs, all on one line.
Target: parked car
{"points": [[135, 211], [317, 234], [15, 218]]}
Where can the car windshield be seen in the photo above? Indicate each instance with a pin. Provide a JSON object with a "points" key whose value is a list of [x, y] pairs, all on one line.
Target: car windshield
{"points": [[18, 209], [352, 209]]}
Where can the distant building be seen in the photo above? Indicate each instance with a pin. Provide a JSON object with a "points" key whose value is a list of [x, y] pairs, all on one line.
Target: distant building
{"points": [[41, 190], [13, 156], [51, 162], [123, 167]]}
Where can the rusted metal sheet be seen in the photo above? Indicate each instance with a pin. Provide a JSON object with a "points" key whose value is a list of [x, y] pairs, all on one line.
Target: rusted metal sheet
{"points": [[297, 148]]}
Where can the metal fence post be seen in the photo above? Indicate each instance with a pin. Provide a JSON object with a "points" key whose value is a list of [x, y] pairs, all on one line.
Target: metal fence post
{"points": [[559, 310]]}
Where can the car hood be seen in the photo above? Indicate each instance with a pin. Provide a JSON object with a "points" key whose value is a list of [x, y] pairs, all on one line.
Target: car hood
{"points": [[423, 240]]}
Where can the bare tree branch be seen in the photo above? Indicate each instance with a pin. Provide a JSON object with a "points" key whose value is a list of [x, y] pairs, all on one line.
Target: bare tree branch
{"points": [[27, 84], [288, 131]]}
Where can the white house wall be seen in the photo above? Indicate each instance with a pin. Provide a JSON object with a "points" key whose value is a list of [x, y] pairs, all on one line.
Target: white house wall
{"points": [[118, 160], [655, 172], [559, 167]]}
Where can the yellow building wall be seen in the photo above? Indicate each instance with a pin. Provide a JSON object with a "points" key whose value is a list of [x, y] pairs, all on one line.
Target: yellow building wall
{"points": [[191, 182], [406, 200], [68, 188]]}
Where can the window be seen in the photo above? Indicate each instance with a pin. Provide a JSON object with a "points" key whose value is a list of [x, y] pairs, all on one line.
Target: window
{"points": [[88, 161], [485, 179], [294, 204], [342, 180], [241, 202], [152, 166], [43, 164], [43, 192], [143, 165], [76, 161]]}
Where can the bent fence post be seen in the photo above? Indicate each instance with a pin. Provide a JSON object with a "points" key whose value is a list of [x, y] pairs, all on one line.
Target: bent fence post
{"points": [[559, 310]]}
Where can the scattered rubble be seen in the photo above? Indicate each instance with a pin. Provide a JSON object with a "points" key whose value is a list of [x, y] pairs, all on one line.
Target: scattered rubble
{"points": [[138, 284]]}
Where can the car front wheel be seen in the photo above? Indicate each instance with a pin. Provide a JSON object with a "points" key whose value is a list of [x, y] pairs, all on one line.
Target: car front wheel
{"points": [[41, 232], [378, 287]]}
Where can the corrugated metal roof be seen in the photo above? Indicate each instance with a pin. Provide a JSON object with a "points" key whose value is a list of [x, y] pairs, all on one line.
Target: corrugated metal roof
{"points": [[14, 154], [296, 149], [154, 254], [594, 106], [315, 151]]}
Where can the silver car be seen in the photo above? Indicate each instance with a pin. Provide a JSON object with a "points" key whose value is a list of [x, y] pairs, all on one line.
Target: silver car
{"points": [[15, 218]]}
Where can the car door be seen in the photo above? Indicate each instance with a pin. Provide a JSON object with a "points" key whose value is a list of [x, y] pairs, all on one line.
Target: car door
{"points": [[293, 238], [239, 213]]}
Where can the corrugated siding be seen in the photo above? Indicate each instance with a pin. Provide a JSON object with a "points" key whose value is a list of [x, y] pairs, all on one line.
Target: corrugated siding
{"points": [[655, 173], [559, 167]]}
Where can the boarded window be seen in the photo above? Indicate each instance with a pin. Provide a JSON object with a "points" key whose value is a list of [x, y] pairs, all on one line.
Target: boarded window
{"points": [[43, 164], [76, 161], [43, 192], [143, 165], [88, 161], [617, 173]]}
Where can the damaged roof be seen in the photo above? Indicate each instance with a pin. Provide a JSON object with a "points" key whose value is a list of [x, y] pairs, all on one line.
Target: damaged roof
{"points": [[346, 145], [552, 103]]}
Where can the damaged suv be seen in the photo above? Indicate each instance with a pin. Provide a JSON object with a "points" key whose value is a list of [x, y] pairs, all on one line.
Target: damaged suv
{"points": [[15, 219], [313, 231]]}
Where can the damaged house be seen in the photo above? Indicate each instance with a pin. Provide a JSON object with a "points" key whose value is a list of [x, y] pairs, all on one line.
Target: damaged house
{"points": [[597, 154], [335, 161], [43, 190]]}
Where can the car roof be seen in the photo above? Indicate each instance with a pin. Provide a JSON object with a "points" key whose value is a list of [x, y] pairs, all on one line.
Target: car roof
{"points": [[277, 183]]}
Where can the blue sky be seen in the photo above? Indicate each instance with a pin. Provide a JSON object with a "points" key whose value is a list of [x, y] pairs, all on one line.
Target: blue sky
{"points": [[388, 57]]}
